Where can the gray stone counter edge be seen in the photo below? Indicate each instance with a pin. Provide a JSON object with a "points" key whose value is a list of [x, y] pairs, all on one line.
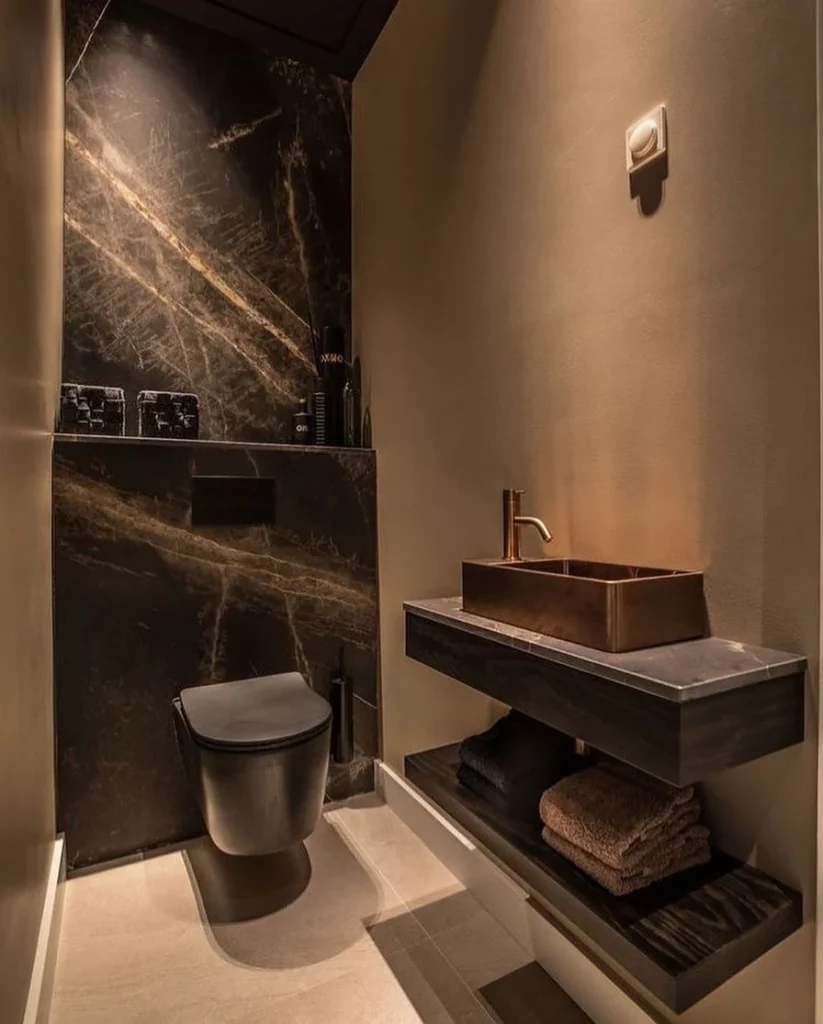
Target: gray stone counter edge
{"points": [[676, 672]]}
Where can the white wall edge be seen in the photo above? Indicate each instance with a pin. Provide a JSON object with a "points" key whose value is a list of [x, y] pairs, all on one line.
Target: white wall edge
{"points": [[42, 974], [604, 998], [389, 782]]}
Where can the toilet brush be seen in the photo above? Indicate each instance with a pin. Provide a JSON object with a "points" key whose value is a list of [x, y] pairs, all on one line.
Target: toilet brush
{"points": [[342, 702]]}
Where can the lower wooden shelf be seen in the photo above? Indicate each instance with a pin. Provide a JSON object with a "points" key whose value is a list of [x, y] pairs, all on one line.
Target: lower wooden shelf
{"points": [[681, 938]]}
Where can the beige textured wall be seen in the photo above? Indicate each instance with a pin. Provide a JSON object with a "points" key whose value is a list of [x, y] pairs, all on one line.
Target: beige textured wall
{"points": [[651, 382], [30, 325]]}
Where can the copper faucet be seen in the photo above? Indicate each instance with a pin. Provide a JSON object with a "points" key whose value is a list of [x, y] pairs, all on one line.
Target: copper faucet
{"points": [[512, 521]]}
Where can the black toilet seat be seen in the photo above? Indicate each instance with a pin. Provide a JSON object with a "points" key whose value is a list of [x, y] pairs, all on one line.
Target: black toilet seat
{"points": [[267, 713]]}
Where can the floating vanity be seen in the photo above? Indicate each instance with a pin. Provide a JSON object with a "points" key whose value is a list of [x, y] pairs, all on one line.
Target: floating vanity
{"points": [[679, 712]]}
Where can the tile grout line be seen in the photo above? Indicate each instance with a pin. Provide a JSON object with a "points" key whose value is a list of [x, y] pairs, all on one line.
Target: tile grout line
{"points": [[429, 937], [341, 825], [454, 970]]}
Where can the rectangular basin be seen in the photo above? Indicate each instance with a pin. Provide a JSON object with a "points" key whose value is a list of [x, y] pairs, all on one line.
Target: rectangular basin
{"points": [[599, 604]]}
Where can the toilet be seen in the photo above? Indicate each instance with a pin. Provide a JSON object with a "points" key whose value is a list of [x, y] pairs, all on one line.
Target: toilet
{"points": [[257, 753]]}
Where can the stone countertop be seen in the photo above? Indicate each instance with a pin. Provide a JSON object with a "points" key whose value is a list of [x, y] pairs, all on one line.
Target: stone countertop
{"points": [[676, 672]]}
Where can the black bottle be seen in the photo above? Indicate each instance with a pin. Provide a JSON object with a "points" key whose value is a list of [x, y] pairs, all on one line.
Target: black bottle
{"points": [[302, 424], [342, 703]]}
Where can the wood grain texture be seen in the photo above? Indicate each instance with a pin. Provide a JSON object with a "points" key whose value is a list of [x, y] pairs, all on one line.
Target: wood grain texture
{"points": [[680, 743], [731, 728], [680, 939], [629, 724]]}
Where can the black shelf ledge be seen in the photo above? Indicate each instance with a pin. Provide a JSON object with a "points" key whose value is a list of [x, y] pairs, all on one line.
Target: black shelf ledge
{"points": [[680, 712], [680, 939], [203, 443]]}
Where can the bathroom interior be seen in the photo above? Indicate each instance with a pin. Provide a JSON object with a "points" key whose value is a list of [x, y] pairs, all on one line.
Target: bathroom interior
{"points": [[410, 495]]}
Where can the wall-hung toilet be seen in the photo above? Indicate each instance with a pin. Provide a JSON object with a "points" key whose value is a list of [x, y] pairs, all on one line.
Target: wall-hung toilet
{"points": [[257, 754]]}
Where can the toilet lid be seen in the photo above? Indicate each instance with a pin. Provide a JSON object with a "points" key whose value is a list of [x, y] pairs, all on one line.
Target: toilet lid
{"points": [[268, 712]]}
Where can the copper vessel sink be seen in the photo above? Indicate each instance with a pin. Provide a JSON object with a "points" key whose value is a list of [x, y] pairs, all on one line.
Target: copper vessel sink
{"points": [[599, 604]]}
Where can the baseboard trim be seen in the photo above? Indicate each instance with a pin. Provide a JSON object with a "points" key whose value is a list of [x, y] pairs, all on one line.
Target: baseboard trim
{"points": [[602, 994], [38, 1003]]}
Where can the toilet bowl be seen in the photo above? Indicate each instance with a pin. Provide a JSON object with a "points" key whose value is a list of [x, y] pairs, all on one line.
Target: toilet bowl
{"points": [[257, 753]]}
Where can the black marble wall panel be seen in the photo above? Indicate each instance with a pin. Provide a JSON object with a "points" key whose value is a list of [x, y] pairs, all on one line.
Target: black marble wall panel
{"points": [[208, 215], [145, 605]]}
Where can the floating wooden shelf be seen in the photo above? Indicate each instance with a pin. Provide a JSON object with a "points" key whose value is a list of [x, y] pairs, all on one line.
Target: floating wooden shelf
{"points": [[679, 712], [681, 938]]}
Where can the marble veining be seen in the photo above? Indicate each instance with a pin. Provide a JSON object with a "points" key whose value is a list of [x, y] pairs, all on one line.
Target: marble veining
{"points": [[146, 604], [677, 672], [207, 215]]}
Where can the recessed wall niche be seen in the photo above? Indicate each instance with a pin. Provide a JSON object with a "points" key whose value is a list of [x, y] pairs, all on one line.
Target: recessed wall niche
{"points": [[207, 216]]}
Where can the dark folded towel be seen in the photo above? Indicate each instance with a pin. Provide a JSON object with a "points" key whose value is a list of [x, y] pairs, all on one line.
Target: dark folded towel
{"points": [[518, 802], [518, 751]]}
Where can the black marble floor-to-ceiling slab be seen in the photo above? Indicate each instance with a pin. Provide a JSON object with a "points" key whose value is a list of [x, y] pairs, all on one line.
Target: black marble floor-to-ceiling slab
{"points": [[208, 225], [207, 215], [146, 604]]}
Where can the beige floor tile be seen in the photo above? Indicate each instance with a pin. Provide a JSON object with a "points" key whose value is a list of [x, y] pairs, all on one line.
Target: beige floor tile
{"points": [[344, 898], [125, 932], [481, 951], [367, 997], [196, 938], [134, 948], [448, 912], [410, 986], [434, 987], [409, 866]]}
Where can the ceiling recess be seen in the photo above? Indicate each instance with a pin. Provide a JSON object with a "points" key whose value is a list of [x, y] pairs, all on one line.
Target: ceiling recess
{"points": [[332, 35]]}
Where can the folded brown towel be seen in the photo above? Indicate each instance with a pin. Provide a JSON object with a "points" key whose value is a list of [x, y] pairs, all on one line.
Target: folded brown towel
{"points": [[614, 814], [692, 852], [668, 837]]}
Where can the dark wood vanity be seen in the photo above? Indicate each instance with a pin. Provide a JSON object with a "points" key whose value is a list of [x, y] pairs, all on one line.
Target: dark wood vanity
{"points": [[679, 712]]}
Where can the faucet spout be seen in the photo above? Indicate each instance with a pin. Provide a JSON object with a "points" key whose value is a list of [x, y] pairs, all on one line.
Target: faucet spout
{"points": [[538, 524], [512, 521]]}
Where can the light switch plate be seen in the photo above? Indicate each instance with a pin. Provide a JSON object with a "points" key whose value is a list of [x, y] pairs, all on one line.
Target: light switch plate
{"points": [[646, 140]]}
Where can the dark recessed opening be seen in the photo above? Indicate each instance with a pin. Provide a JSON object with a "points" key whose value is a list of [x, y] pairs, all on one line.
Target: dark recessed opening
{"points": [[232, 501]]}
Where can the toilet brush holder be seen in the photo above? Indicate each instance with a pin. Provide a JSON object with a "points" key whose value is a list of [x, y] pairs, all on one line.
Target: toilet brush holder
{"points": [[341, 698]]}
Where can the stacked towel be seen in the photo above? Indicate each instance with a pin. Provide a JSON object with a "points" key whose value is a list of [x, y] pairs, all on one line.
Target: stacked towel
{"points": [[624, 829], [511, 764]]}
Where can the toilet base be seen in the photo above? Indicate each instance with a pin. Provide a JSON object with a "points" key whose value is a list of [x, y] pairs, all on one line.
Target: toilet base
{"points": [[257, 802]]}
